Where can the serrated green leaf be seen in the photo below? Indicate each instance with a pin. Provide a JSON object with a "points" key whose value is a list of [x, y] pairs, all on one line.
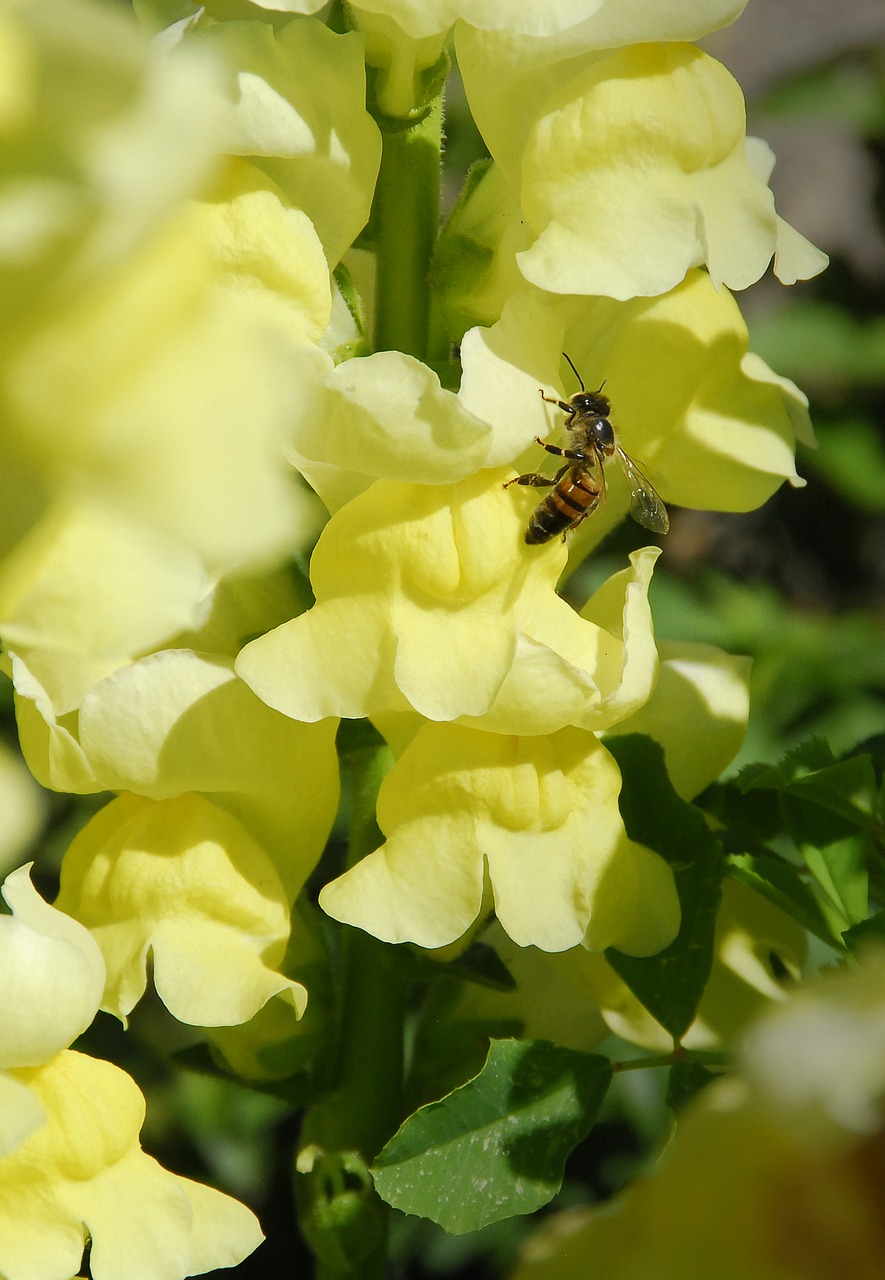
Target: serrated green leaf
{"points": [[752, 816], [806, 757], [809, 796], [497, 1146], [781, 883], [832, 803], [758, 776], [671, 983], [840, 868]]}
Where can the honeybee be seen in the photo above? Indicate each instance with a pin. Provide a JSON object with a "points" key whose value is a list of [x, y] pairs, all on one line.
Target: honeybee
{"points": [[578, 487]]}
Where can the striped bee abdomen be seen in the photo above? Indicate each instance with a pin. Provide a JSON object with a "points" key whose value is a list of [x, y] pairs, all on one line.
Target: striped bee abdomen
{"points": [[566, 505]]}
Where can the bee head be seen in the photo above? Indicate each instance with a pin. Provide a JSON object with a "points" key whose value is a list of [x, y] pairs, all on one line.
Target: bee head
{"points": [[591, 404], [589, 422]]}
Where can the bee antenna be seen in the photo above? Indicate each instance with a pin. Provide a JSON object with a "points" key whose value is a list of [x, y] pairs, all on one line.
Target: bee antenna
{"points": [[571, 364]]}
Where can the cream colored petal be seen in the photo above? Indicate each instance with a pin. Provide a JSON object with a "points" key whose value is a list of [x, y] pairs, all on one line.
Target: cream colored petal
{"points": [[297, 110], [184, 881], [53, 976], [178, 721], [387, 415], [83, 1174], [541, 813], [424, 595], [698, 713]]}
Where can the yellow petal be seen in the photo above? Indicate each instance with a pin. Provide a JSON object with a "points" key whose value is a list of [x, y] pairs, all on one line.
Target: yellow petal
{"points": [[698, 713], [427, 597], [83, 1174], [183, 881], [53, 976], [539, 816], [636, 171]]}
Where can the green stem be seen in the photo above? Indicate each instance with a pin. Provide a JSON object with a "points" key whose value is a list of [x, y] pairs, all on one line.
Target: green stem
{"points": [[405, 223], [342, 1217], [370, 1069]]}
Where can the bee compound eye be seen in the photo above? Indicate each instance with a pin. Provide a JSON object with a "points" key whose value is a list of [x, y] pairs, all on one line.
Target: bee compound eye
{"points": [[605, 435]]}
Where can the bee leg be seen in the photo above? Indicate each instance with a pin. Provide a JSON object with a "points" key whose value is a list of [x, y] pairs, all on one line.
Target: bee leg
{"points": [[536, 480], [560, 404], [532, 478], [576, 523], [576, 454]]}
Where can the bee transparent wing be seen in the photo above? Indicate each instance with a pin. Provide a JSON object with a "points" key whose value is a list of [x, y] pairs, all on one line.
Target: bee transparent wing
{"points": [[596, 469], [646, 505]]}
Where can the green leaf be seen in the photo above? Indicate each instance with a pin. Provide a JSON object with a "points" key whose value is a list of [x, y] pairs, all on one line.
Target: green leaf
{"points": [[831, 803], [686, 1080], [671, 983], [809, 795], [828, 808], [759, 777], [497, 1146], [866, 931], [840, 869], [829, 814], [873, 747], [750, 815], [781, 883], [366, 759], [806, 757], [479, 964]]}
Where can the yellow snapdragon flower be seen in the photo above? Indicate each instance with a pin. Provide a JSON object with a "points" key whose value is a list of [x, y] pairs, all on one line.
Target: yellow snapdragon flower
{"points": [[72, 1170]]}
